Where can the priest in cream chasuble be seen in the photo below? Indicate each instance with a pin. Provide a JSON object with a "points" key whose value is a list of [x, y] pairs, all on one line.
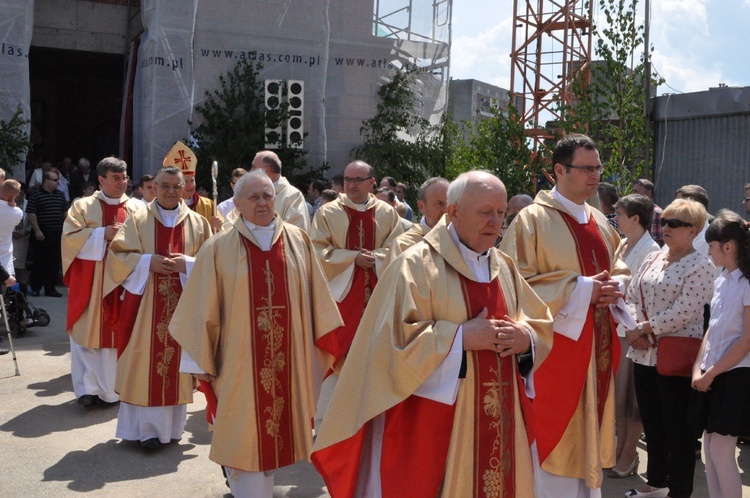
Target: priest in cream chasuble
{"points": [[566, 251], [91, 224], [430, 401], [151, 258], [255, 305]]}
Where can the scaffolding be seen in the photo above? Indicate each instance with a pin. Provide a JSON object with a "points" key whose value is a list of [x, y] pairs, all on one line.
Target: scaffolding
{"points": [[552, 43]]}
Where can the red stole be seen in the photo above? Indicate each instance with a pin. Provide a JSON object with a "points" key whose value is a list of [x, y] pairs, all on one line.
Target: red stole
{"points": [[560, 379], [80, 278], [494, 424], [271, 349], [360, 235], [417, 431], [195, 198], [164, 362]]}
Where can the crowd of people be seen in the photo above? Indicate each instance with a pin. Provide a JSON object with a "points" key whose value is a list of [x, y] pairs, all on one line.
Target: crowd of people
{"points": [[479, 345]]}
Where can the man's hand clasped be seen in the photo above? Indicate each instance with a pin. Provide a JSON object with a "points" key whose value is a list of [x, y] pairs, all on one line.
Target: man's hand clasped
{"points": [[606, 290], [504, 336], [166, 265], [365, 259]]}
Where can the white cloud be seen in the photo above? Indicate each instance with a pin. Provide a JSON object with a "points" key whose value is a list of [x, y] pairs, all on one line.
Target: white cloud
{"points": [[697, 43], [484, 56]]}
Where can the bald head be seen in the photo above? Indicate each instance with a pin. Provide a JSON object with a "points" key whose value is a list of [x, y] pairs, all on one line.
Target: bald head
{"points": [[477, 202], [269, 162]]}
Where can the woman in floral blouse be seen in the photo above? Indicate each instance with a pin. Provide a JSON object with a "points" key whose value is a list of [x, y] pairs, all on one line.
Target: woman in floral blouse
{"points": [[667, 295]]}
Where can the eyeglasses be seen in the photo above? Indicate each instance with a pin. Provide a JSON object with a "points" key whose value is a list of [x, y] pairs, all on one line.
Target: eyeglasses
{"points": [[586, 169], [673, 223], [53, 179], [746, 199], [167, 187], [356, 181]]}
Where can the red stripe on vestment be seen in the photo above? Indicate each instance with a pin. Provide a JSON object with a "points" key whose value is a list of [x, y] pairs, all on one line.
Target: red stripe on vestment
{"points": [[164, 375], [360, 235], [271, 337], [494, 416], [560, 379]]}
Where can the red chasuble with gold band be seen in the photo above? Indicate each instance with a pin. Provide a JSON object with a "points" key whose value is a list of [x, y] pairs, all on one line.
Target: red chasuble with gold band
{"points": [[80, 275], [360, 235], [272, 351], [164, 361], [557, 401], [417, 431]]}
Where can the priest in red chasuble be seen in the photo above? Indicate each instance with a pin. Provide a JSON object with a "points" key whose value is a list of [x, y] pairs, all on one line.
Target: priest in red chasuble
{"points": [[151, 259], [248, 321], [91, 224], [566, 251], [430, 401]]}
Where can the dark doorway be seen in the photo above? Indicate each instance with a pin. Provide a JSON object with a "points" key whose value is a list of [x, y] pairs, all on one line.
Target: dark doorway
{"points": [[76, 103]]}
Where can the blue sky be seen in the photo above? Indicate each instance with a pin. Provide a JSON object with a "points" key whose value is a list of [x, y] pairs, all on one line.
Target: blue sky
{"points": [[697, 43]]}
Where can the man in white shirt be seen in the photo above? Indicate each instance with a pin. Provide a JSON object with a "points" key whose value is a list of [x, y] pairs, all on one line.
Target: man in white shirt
{"points": [[227, 206]]}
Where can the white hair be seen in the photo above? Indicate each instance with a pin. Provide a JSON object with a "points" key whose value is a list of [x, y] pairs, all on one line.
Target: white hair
{"points": [[458, 186], [250, 175]]}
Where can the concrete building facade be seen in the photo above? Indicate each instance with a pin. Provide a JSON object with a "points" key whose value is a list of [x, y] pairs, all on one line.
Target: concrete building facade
{"points": [[99, 77]]}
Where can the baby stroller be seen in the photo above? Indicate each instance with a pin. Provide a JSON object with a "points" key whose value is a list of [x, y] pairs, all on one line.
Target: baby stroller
{"points": [[21, 313]]}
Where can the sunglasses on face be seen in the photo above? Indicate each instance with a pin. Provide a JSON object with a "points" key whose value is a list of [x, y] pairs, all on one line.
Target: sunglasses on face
{"points": [[673, 223]]}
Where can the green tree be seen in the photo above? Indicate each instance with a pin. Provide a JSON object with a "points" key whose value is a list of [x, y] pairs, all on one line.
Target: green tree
{"points": [[233, 127], [398, 141], [14, 141], [610, 108], [497, 144]]}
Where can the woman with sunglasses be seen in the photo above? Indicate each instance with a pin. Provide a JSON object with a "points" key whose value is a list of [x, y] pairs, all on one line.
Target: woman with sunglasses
{"points": [[667, 295]]}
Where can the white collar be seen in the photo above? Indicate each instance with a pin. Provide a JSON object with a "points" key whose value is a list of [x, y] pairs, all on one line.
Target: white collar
{"points": [[268, 228], [109, 200], [578, 211], [734, 275], [467, 253], [423, 222]]}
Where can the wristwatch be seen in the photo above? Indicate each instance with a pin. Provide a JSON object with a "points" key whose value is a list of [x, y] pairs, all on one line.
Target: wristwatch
{"points": [[639, 328]]}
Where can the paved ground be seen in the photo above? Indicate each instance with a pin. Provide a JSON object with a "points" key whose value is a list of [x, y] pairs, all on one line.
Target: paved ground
{"points": [[50, 446]]}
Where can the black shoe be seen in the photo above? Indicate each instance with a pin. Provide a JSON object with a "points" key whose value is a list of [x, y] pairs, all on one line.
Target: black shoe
{"points": [[3, 351], [106, 404], [52, 293], [87, 400], [34, 293], [151, 444]]}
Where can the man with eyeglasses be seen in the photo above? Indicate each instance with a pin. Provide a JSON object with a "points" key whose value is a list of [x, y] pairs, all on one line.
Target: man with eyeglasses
{"points": [[151, 258], [351, 235], [566, 251], [290, 203], [46, 210], [90, 226]]}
